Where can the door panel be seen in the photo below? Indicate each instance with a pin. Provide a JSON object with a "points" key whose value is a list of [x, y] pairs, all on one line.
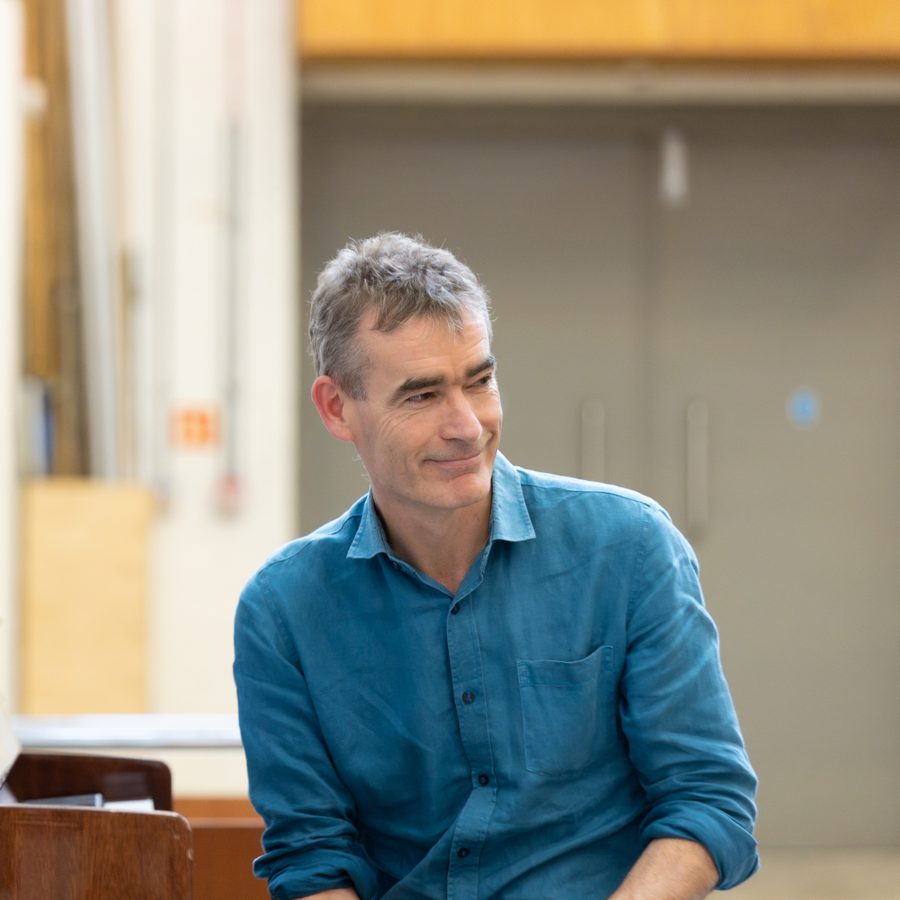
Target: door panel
{"points": [[782, 274]]}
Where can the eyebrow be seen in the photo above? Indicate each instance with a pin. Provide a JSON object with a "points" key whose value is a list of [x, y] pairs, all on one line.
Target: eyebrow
{"points": [[414, 385]]}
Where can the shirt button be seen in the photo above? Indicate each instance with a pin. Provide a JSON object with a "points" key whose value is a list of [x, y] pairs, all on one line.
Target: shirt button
{"points": [[454, 609], [468, 697], [483, 780], [463, 852]]}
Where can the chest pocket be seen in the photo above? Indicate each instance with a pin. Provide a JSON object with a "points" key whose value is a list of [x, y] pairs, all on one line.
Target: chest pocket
{"points": [[568, 711]]}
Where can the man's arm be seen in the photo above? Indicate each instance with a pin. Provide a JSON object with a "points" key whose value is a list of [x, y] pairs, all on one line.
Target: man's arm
{"points": [[669, 869], [677, 714], [311, 844]]}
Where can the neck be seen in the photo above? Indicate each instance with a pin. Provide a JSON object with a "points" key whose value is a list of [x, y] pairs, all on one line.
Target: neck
{"points": [[440, 546]]}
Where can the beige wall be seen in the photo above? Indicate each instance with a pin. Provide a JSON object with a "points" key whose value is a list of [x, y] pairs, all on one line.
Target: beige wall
{"points": [[11, 137]]}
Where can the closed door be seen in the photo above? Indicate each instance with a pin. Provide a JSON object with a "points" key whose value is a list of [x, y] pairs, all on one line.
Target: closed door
{"points": [[776, 409], [747, 338]]}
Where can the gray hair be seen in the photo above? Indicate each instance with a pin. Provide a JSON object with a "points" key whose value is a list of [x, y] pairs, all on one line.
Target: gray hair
{"points": [[399, 278]]}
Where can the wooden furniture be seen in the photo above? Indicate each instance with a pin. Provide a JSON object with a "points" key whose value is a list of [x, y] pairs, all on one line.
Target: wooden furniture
{"points": [[88, 853], [227, 836], [226, 832], [83, 853], [38, 775]]}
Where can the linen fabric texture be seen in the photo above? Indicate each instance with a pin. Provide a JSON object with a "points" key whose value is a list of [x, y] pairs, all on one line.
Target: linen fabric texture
{"points": [[524, 738]]}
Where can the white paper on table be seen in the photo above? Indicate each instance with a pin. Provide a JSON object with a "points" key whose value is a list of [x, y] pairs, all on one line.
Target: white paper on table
{"points": [[144, 804]]}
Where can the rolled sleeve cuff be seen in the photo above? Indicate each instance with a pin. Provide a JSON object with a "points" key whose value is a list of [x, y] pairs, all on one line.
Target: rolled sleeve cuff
{"points": [[320, 870], [732, 847]]}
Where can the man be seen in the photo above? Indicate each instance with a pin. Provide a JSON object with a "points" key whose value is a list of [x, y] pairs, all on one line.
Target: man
{"points": [[479, 682]]}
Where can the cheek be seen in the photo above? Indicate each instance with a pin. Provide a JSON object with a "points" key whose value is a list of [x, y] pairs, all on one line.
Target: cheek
{"points": [[396, 433], [490, 410]]}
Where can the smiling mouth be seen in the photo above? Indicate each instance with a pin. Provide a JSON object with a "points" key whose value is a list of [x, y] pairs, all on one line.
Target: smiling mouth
{"points": [[451, 461]]}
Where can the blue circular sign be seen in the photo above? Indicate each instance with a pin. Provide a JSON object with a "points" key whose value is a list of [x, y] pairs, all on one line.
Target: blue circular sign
{"points": [[804, 408]]}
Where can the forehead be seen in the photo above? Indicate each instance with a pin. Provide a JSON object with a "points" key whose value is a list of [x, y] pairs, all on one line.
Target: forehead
{"points": [[423, 341]]}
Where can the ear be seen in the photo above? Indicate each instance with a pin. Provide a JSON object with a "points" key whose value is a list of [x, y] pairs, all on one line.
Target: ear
{"points": [[330, 403]]}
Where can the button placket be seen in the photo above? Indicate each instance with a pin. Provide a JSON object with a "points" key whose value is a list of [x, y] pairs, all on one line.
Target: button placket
{"points": [[467, 683]]}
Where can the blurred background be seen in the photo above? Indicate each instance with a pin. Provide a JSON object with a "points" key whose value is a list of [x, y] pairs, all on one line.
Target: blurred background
{"points": [[688, 218]]}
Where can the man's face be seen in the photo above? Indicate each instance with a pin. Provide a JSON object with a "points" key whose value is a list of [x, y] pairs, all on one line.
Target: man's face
{"points": [[428, 430]]}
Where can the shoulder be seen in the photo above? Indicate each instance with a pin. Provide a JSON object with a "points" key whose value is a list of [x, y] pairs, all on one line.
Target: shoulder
{"points": [[306, 558], [550, 491], [609, 513], [289, 593]]}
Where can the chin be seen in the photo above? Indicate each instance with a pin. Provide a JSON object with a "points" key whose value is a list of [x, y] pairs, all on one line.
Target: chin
{"points": [[471, 494]]}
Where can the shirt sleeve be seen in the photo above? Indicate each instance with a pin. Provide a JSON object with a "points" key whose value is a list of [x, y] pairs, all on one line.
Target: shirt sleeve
{"points": [[310, 841], [677, 711]]}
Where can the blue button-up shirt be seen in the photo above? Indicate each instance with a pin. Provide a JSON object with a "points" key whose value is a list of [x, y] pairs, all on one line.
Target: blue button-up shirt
{"points": [[523, 738]]}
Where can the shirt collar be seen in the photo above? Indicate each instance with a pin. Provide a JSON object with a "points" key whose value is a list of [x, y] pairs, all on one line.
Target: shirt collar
{"points": [[370, 539], [510, 520], [509, 514]]}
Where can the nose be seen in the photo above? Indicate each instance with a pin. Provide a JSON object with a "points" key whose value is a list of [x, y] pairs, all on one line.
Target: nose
{"points": [[460, 422]]}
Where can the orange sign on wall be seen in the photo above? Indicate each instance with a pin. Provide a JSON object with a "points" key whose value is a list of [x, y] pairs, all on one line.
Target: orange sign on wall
{"points": [[195, 427]]}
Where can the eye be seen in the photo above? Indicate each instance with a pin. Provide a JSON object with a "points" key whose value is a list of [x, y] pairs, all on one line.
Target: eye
{"points": [[424, 397], [485, 380]]}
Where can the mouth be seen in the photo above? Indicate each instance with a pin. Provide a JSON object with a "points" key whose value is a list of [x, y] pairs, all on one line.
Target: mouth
{"points": [[457, 462]]}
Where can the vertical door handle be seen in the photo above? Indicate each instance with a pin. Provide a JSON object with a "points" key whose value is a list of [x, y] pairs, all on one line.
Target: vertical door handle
{"points": [[593, 440], [697, 469]]}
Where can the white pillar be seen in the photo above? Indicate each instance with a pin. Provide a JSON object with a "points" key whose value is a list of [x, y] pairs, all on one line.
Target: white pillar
{"points": [[215, 161]]}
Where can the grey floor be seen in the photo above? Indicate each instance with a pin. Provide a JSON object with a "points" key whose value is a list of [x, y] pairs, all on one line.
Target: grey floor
{"points": [[824, 875]]}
